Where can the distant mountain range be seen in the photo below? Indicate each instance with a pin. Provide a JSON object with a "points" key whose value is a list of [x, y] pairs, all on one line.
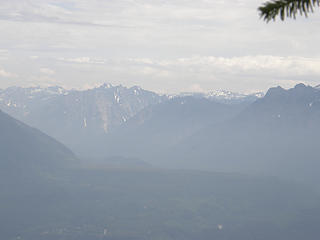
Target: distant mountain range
{"points": [[76, 118], [224, 96], [104, 107], [82, 119], [276, 134]]}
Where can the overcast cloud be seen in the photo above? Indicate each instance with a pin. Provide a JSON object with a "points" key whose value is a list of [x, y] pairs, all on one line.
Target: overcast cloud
{"points": [[161, 45]]}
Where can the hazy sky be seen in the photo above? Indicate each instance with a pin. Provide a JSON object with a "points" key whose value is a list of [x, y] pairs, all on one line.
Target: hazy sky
{"points": [[161, 45]]}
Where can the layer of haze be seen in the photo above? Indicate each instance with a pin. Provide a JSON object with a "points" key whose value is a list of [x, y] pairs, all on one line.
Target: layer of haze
{"points": [[164, 46]]}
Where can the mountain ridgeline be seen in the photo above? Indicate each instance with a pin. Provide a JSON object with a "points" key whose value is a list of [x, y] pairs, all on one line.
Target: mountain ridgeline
{"points": [[83, 120], [76, 118], [275, 135]]}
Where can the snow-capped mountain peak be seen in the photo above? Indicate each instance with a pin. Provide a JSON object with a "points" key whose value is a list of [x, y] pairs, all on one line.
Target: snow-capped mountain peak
{"points": [[224, 96]]}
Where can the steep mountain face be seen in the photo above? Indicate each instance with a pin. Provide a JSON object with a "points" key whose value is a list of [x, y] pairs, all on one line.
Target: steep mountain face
{"points": [[25, 148], [79, 119], [160, 127], [276, 135]]}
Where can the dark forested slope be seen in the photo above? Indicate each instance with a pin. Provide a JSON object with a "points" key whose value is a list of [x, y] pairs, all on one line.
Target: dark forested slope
{"points": [[24, 147]]}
